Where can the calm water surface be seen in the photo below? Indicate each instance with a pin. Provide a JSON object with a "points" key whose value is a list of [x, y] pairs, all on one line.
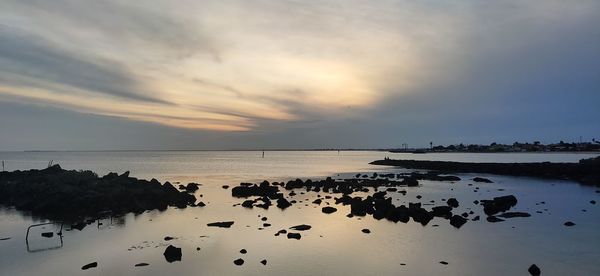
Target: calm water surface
{"points": [[334, 246]]}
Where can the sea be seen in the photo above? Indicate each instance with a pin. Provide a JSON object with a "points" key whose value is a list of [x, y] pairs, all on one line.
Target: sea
{"points": [[335, 245]]}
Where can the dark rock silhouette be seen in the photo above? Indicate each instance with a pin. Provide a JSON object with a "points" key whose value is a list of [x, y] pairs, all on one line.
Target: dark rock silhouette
{"points": [[68, 195], [457, 221], [172, 254], [239, 262], [586, 171], [498, 204], [48, 234], [494, 219], [296, 236], [534, 270], [301, 227], [264, 262], [90, 265], [243, 251], [328, 210], [569, 223], [515, 215], [482, 180], [366, 231], [222, 224], [452, 202], [142, 264]]}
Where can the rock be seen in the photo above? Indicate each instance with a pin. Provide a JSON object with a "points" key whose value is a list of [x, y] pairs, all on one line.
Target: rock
{"points": [[296, 236], [47, 234], [301, 227], [317, 201], [282, 203], [444, 262], [201, 204], [142, 264], [569, 223], [328, 210], [172, 254], [494, 219], [5, 239], [248, 203], [191, 187], [167, 238], [476, 218], [264, 262], [222, 224], [481, 179], [592, 201], [90, 265], [264, 219], [499, 204], [534, 270], [452, 202], [238, 262], [366, 231], [515, 215], [225, 187], [442, 211], [243, 251], [66, 195], [457, 221]]}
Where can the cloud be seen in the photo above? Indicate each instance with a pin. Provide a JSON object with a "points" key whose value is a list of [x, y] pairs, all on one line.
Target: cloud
{"points": [[280, 67]]}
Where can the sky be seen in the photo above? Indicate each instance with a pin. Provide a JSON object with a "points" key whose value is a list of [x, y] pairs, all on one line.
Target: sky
{"points": [[254, 74]]}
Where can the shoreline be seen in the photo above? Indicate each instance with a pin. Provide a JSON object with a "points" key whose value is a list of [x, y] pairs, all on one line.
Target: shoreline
{"points": [[586, 171]]}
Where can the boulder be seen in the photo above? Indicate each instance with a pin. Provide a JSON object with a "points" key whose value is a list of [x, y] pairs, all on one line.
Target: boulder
{"points": [[172, 254]]}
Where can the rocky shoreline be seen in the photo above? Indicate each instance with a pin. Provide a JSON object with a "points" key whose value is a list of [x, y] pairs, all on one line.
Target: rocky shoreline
{"points": [[586, 171], [60, 194]]}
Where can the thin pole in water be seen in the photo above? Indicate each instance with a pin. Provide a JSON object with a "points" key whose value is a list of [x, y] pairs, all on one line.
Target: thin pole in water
{"points": [[263, 156], [2, 165]]}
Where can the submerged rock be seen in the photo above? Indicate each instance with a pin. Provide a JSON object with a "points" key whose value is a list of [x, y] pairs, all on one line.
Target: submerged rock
{"points": [[515, 215], [481, 179], [301, 227], [90, 265], [172, 254], [494, 219], [222, 224], [569, 223]]}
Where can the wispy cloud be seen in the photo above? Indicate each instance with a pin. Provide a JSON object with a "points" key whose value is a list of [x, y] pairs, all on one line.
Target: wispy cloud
{"points": [[252, 64]]}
